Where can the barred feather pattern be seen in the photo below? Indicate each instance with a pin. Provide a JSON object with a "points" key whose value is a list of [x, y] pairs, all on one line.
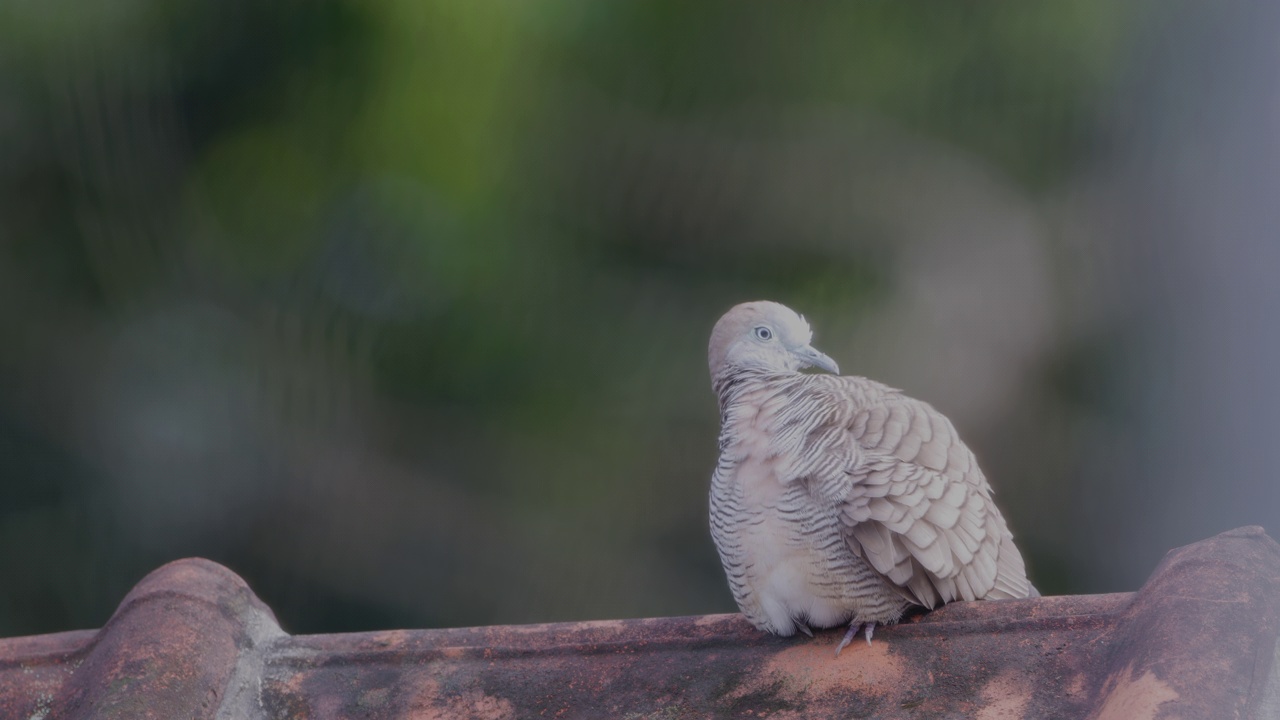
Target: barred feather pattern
{"points": [[839, 499]]}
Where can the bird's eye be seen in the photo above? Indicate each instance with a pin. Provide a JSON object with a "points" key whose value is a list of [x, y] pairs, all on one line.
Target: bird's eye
{"points": [[764, 333]]}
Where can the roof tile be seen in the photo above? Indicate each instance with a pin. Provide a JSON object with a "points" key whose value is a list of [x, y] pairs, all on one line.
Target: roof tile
{"points": [[1199, 640]]}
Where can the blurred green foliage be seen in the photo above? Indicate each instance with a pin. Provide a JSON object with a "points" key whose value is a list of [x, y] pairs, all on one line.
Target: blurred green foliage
{"points": [[399, 308]]}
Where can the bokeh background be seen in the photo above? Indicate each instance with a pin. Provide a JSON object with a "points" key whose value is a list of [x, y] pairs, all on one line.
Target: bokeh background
{"points": [[399, 308]]}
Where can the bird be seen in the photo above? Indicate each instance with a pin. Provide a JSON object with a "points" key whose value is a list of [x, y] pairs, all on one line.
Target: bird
{"points": [[838, 499]]}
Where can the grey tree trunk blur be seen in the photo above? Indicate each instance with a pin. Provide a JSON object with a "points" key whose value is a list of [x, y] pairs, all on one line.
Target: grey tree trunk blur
{"points": [[1188, 267]]}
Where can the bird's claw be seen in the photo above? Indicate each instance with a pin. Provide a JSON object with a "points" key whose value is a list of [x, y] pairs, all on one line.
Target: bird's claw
{"points": [[867, 629], [848, 637]]}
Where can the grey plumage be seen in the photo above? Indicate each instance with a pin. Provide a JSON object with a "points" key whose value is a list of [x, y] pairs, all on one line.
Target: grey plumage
{"points": [[839, 499]]}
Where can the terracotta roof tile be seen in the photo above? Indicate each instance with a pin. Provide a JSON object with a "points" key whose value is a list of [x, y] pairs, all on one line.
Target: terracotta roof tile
{"points": [[1199, 640]]}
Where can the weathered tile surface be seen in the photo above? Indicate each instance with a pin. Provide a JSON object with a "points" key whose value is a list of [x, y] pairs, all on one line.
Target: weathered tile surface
{"points": [[1199, 640]]}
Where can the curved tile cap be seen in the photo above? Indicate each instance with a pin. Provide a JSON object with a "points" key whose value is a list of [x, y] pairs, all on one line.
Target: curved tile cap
{"points": [[171, 650], [1199, 640]]}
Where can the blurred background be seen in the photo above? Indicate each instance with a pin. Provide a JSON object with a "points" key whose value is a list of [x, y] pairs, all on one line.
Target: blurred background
{"points": [[399, 308]]}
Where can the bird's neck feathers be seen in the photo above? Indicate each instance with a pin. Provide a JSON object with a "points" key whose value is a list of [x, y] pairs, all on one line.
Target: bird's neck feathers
{"points": [[732, 382]]}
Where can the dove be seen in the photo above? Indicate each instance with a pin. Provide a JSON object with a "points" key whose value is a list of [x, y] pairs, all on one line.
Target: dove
{"points": [[837, 499]]}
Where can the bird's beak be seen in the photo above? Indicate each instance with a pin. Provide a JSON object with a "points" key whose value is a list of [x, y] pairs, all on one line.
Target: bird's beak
{"points": [[809, 357]]}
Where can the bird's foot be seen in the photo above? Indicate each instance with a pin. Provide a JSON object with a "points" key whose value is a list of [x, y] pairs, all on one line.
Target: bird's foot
{"points": [[804, 629], [854, 626], [848, 636]]}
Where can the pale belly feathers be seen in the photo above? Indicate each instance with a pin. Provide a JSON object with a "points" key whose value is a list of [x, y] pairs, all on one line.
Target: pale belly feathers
{"points": [[796, 566]]}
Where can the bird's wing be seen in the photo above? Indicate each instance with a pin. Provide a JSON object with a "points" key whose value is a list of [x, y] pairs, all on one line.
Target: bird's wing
{"points": [[909, 492]]}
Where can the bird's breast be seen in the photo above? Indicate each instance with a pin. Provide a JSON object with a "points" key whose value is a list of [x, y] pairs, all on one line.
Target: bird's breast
{"points": [[791, 556]]}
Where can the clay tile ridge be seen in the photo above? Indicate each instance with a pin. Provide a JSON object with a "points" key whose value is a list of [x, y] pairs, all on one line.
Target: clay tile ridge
{"points": [[1199, 640]]}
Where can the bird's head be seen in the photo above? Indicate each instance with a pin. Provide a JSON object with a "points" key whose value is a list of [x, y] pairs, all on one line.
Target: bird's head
{"points": [[766, 336]]}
